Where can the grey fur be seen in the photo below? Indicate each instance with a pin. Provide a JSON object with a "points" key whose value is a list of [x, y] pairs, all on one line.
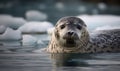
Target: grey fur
{"points": [[99, 41]]}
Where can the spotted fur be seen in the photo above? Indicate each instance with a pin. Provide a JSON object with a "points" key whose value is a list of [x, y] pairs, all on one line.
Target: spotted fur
{"points": [[99, 41]]}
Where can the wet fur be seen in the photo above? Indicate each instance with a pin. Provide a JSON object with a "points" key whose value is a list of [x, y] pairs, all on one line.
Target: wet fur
{"points": [[101, 41]]}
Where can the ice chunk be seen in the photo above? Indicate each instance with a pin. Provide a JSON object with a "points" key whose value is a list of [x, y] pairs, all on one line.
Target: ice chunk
{"points": [[5, 16], [94, 21], [107, 27], [29, 40], [35, 27], [12, 22], [5, 20], [39, 42], [17, 22], [11, 34], [2, 29], [34, 15]]}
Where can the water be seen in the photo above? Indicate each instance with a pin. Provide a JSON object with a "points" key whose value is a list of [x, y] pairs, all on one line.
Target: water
{"points": [[23, 58], [59, 62]]}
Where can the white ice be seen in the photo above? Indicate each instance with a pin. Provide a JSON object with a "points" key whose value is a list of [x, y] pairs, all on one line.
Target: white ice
{"points": [[34, 15], [17, 22], [29, 40], [35, 27], [2, 29], [107, 27], [11, 34], [98, 22], [12, 22], [94, 21]]}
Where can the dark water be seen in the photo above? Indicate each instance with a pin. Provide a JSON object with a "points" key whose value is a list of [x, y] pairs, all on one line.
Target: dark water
{"points": [[23, 58], [59, 62]]}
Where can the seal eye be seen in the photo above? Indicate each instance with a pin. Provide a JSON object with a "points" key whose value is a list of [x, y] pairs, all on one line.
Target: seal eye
{"points": [[79, 27], [62, 26]]}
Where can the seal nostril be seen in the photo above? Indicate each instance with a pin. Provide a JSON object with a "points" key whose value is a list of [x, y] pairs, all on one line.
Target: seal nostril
{"points": [[70, 33]]}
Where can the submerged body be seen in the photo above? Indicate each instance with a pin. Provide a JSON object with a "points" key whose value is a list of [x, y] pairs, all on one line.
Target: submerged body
{"points": [[71, 36]]}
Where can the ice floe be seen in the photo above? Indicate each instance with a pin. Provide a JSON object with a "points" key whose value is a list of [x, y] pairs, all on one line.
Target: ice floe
{"points": [[29, 40], [35, 27], [17, 22], [94, 21], [97, 22], [11, 34], [2, 29], [12, 22], [34, 15], [10, 43], [107, 27]]}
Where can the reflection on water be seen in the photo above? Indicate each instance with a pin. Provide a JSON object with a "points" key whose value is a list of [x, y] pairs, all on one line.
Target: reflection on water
{"points": [[70, 59], [14, 57], [83, 60], [29, 61]]}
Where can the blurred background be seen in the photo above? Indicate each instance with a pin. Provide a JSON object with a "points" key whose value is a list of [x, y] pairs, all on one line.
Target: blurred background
{"points": [[28, 21], [55, 9]]}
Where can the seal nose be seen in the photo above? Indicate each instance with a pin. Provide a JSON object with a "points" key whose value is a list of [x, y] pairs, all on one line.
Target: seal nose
{"points": [[70, 33]]}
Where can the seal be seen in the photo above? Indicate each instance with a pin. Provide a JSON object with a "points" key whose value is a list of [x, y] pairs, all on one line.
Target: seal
{"points": [[71, 36]]}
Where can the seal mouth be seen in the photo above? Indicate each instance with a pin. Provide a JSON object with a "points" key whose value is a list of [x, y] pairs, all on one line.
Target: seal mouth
{"points": [[70, 43]]}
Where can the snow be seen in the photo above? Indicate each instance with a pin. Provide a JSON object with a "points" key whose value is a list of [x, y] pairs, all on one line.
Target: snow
{"points": [[12, 22], [2, 29], [35, 27], [94, 21], [11, 34], [29, 40], [34, 15]]}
